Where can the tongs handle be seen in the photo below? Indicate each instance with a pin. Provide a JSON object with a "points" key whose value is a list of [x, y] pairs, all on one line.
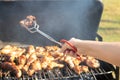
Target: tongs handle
{"points": [[74, 49]]}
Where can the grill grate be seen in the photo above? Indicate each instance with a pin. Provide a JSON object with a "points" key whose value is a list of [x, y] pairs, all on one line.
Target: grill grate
{"points": [[62, 74], [65, 73]]}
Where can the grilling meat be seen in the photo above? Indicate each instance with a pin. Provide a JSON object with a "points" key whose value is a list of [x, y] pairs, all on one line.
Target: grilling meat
{"points": [[28, 21], [30, 50], [49, 62], [71, 59], [54, 64], [35, 66], [14, 70], [40, 51], [92, 62], [12, 52], [80, 69], [20, 61], [46, 60], [32, 59]]}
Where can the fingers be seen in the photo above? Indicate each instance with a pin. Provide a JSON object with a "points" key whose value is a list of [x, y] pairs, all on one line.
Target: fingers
{"points": [[66, 46]]}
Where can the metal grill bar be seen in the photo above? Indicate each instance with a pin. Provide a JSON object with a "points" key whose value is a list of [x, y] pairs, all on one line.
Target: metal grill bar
{"points": [[59, 74], [39, 75]]}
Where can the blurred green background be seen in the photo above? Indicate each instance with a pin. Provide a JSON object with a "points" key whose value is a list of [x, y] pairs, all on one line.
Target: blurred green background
{"points": [[109, 27]]}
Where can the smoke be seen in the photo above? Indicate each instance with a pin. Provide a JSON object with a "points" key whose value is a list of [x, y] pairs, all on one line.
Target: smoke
{"points": [[59, 19]]}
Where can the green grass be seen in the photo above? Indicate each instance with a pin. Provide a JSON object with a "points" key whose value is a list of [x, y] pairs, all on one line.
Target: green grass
{"points": [[109, 27]]}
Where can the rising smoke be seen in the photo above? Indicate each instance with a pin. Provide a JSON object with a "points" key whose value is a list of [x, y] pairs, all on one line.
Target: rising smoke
{"points": [[60, 19]]}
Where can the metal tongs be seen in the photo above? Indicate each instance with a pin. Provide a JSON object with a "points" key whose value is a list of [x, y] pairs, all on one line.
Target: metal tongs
{"points": [[31, 25]]}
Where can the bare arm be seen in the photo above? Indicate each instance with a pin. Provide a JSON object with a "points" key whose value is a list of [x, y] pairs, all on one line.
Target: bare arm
{"points": [[106, 51]]}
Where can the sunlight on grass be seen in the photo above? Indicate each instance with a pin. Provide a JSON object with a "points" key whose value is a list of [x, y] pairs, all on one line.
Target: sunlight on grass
{"points": [[109, 27]]}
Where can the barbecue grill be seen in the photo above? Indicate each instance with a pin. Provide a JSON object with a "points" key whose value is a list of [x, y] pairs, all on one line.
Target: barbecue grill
{"points": [[61, 74], [84, 15], [58, 74]]}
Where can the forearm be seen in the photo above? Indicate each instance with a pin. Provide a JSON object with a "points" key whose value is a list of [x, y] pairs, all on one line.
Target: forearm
{"points": [[107, 51]]}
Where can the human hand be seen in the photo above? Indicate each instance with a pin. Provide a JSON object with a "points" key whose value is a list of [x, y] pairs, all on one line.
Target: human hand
{"points": [[69, 46]]}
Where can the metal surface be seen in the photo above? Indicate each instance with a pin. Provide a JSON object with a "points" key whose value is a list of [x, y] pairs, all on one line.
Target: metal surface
{"points": [[65, 73], [61, 74]]}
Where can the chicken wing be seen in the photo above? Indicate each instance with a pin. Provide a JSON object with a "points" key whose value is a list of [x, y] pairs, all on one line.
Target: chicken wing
{"points": [[35, 66], [12, 68], [92, 62]]}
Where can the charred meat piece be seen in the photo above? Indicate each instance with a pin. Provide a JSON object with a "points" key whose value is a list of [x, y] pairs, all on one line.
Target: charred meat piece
{"points": [[92, 62], [30, 50], [52, 48], [30, 60], [28, 21], [20, 61], [35, 66], [39, 51], [14, 70], [71, 60], [53, 65], [46, 60], [12, 52], [80, 69]]}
